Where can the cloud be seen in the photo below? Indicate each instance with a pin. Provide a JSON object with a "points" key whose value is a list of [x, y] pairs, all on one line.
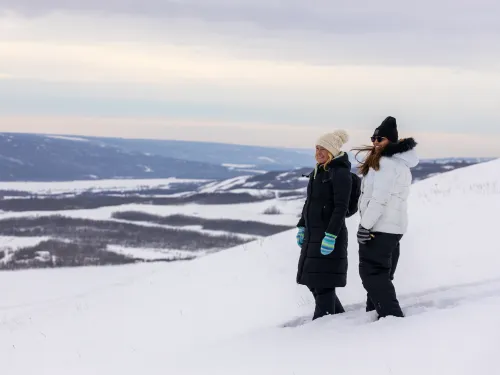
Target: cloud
{"points": [[320, 32], [330, 16], [325, 64]]}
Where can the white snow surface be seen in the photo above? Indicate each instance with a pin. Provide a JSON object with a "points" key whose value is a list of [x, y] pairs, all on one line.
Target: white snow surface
{"points": [[224, 185], [105, 213], [256, 171], [239, 166], [93, 185], [13, 160], [244, 211], [14, 243], [66, 138], [266, 159], [10, 244], [153, 254], [240, 311]]}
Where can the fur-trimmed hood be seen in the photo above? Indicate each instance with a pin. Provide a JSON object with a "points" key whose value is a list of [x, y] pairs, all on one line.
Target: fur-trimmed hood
{"points": [[403, 150]]}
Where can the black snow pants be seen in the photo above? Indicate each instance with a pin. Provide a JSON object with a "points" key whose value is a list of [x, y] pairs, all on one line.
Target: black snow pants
{"points": [[378, 260], [327, 302]]}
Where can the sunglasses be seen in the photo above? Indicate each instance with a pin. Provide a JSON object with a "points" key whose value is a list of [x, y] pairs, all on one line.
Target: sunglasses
{"points": [[378, 139]]}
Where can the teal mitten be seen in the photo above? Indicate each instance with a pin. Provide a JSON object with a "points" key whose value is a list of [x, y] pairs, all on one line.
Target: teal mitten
{"points": [[300, 236], [328, 244]]}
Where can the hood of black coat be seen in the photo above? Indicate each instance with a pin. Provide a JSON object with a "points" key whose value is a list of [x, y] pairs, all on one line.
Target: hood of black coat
{"points": [[341, 161], [404, 145]]}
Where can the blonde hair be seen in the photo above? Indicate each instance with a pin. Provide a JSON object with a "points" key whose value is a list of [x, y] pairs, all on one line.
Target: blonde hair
{"points": [[330, 158]]}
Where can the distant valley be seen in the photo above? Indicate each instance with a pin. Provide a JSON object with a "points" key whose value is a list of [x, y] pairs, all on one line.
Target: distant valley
{"points": [[71, 201]]}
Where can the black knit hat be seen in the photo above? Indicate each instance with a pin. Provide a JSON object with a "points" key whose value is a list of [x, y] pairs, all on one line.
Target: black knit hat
{"points": [[388, 129]]}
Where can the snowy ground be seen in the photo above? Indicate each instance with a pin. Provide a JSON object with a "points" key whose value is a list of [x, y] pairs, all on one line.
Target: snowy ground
{"points": [[10, 244], [93, 185], [284, 214], [241, 312], [244, 211], [154, 254]]}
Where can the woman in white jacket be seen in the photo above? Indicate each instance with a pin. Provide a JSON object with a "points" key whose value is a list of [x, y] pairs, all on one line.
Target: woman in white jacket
{"points": [[384, 218]]}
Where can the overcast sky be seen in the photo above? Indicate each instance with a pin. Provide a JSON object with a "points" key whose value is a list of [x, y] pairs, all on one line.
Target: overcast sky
{"points": [[267, 72]]}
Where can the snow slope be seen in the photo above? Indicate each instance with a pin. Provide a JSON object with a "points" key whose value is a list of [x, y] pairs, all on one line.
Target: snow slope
{"points": [[241, 312]]}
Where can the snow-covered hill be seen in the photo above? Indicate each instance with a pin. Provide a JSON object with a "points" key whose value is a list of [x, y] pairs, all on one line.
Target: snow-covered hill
{"points": [[39, 157], [241, 312]]}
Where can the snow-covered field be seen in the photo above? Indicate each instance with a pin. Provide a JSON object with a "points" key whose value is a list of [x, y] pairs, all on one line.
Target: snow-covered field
{"points": [[244, 211], [154, 254], [94, 185], [10, 244], [206, 219], [240, 311]]}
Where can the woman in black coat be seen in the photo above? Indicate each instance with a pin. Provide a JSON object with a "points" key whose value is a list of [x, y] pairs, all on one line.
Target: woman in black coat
{"points": [[322, 233]]}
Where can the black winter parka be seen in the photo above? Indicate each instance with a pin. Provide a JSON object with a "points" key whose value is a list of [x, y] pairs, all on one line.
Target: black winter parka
{"points": [[325, 210]]}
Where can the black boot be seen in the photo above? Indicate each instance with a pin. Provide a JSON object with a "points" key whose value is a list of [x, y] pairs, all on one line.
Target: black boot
{"points": [[327, 302], [369, 304], [339, 309]]}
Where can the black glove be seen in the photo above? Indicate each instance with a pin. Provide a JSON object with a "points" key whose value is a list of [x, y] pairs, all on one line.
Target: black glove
{"points": [[364, 235]]}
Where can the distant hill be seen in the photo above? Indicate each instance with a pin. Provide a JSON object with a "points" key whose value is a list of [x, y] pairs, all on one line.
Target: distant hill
{"points": [[40, 157], [235, 156]]}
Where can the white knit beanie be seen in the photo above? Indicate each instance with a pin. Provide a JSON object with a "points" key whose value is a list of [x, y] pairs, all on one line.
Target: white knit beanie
{"points": [[334, 141]]}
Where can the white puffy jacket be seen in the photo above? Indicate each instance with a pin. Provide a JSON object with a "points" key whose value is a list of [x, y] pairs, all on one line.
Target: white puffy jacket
{"points": [[384, 193]]}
